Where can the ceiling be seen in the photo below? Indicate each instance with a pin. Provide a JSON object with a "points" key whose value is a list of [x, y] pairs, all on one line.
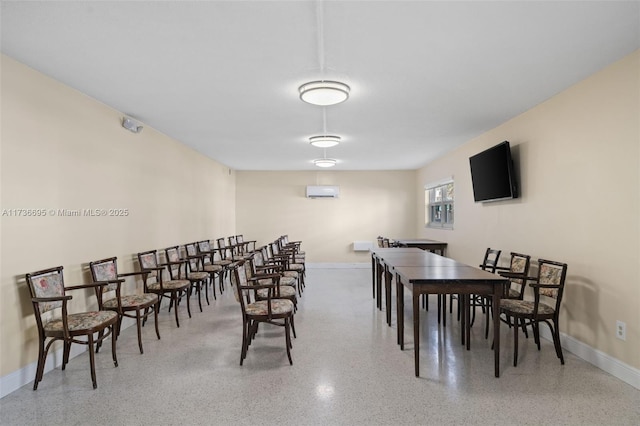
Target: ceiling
{"points": [[223, 76]]}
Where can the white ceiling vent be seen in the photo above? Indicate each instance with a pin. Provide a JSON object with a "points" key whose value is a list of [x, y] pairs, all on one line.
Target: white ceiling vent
{"points": [[323, 191]]}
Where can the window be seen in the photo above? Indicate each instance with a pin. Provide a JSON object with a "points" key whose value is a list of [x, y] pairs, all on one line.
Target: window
{"points": [[438, 205]]}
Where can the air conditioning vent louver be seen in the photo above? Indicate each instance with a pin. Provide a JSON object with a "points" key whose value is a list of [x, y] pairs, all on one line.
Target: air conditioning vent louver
{"points": [[323, 191]]}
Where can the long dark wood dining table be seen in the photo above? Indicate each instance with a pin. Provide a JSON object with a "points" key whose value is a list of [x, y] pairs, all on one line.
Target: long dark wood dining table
{"points": [[427, 273]]}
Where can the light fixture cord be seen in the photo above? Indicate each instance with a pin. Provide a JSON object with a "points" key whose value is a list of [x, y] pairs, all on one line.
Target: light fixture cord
{"points": [[320, 24]]}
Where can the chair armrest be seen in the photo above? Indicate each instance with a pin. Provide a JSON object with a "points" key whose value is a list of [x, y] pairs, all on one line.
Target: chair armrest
{"points": [[92, 285], [51, 299], [536, 285], [503, 268], [264, 276], [508, 274], [129, 274]]}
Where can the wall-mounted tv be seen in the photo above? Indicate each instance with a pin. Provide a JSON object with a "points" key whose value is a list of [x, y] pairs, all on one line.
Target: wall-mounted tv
{"points": [[492, 174]]}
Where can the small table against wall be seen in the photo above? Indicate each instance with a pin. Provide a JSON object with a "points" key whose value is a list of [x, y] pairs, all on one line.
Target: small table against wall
{"points": [[434, 246]]}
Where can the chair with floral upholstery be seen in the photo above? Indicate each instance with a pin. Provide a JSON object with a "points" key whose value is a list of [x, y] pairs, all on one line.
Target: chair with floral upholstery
{"points": [[200, 262], [489, 264], [48, 294], [188, 270], [293, 264], [247, 246], [272, 310], [214, 257], [154, 281], [255, 269], [549, 284], [137, 306]]}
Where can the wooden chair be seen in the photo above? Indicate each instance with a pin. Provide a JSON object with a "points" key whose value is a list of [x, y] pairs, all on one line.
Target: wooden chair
{"points": [[197, 279], [517, 272], [272, 310], [489, 264], [203, 264], [137, 306], [215, 257], [154, 282], [48, 293], [255, 268], [549, 284], [288, 261], [247, 246]]}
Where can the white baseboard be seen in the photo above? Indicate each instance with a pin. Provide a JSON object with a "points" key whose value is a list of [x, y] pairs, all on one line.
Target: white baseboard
{"points": [[14, 381], [603, 361], [338, 265]]}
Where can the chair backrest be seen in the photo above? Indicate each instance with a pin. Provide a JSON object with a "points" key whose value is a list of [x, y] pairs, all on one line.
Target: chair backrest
{"points": [[105, 270], [172, 254], [491, 257], [555, 273], [192, 252], [519, 265], [46, 283], [380, 240], [149, 260], [258, 258], [238, 277], [385, 243]]}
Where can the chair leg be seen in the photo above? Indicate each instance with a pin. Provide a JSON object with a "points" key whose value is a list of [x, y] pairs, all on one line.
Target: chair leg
{"points": [[114, 343], [65, 354], [92, 361], [138, 326], [293, 328], [287, 335], [515, 342], [42, 355], [174, 296], [156, 308], [536, 331], [188, 305], [205, 283], [556, 341]]}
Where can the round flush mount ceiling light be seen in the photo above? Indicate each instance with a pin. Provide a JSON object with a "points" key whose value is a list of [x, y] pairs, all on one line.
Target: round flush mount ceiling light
{"points": [[324, 92], [325, 162], [324, 141]]}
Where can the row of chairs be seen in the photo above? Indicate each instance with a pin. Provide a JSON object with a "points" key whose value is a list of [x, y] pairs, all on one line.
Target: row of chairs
{"points": [[185, 270], [519, 313]]}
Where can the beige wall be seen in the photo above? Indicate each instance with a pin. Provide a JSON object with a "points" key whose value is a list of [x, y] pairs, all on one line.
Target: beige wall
{"points": [[270, 204], [63, 150], [578, 156]]}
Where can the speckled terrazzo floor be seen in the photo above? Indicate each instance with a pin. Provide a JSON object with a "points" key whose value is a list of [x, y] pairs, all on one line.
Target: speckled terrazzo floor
{"points": [[347, 370]]}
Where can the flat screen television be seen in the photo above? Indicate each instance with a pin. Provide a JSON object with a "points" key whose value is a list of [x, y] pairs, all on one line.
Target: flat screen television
{"points": [[492, 174]]}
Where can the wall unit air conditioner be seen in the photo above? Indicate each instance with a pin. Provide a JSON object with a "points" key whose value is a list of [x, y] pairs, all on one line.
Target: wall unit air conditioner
{"points": [[323, 191]]}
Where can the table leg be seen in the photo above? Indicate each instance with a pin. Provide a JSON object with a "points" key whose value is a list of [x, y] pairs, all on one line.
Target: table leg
{"points": [[373, 276], [463, 316], [400, 312], [416, 330], [387, 293], [468, 323], [497, 293], [379, 284]]}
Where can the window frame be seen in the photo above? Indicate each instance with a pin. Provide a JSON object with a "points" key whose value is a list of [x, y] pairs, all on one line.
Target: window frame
{"points": [[441, 206]]}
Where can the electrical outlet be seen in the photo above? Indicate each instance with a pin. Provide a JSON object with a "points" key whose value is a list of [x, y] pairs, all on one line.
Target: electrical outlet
{"points": [[621, 330]]}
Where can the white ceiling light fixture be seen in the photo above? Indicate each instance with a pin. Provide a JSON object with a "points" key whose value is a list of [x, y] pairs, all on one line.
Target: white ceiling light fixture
{"points": [[325, 162], [324, 141], [324, 92]]}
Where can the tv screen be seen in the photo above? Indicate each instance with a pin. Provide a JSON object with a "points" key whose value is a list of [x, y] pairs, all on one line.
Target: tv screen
{"points": [[492, 174]]}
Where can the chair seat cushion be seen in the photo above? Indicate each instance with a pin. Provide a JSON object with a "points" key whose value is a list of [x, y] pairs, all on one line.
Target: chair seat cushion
{"points": [[169, 285], [82, 321], [285, 291], [213, 268], [284, 281], [513, 294], [132, 300], [290, 274], [296, 266], [524, 307], [222, 262], [278, 307], [197, 275]]}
